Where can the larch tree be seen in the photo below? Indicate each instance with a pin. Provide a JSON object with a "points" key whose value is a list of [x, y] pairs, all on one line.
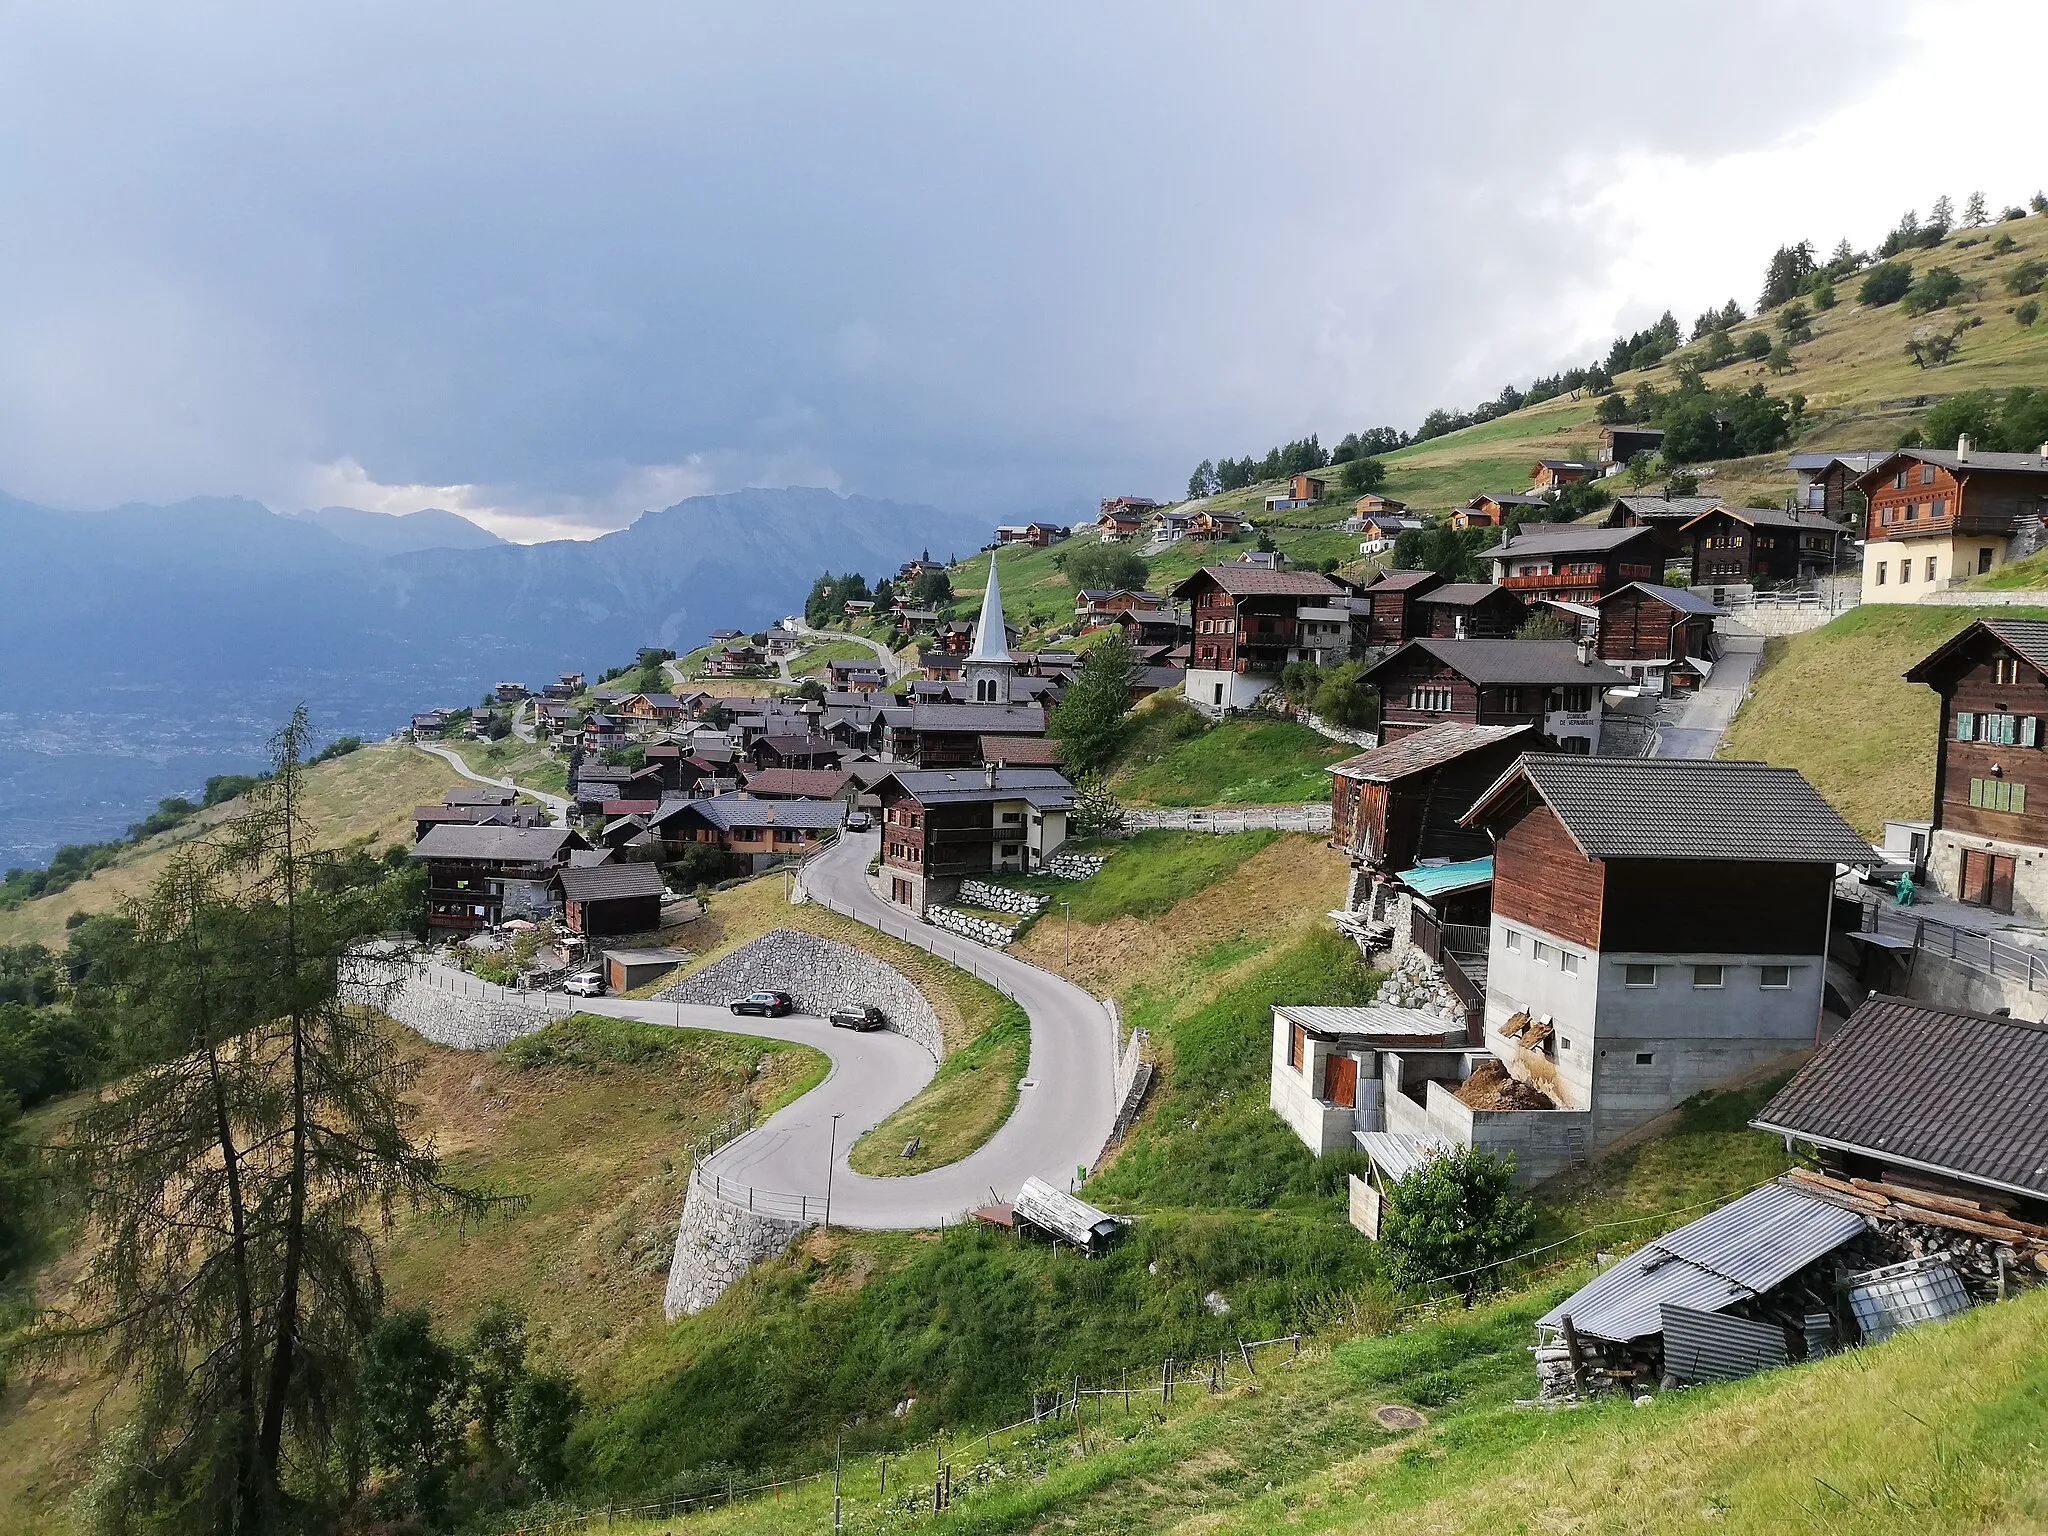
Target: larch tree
{"points": [[233, 1168]]}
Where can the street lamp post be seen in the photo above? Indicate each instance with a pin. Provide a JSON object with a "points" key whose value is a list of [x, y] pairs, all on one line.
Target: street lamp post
{"points": [[1067, 963], [831, 1157]]}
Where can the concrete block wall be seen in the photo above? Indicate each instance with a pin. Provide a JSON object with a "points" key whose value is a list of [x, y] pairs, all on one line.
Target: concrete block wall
{"points": [[821, 974]]}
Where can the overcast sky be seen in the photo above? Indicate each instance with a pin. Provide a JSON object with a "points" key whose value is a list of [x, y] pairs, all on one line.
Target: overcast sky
{"points": [[553, 265]]}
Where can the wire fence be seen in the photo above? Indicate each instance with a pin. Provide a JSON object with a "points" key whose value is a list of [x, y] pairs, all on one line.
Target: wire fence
{"points": [[1251, 818]]}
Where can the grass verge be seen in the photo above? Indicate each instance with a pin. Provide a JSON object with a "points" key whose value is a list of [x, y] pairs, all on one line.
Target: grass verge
{"points": [[964, 1104], [1172, 758]]}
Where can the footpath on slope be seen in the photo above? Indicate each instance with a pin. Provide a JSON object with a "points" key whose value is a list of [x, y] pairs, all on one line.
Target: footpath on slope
{"points": [[557, 807]]}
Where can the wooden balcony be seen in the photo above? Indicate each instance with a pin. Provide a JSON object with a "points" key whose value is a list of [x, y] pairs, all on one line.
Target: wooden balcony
{"points": [[1586, 580]]}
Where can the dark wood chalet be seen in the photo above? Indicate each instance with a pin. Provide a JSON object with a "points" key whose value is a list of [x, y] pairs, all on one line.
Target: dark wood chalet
{"points": [[1247, 620], [1827, 480], [1658, 634], [1395, 615], [1574, 561], [1989, 844], [1761, 546], [939, 828], [1553, 685], [478, 877], [1620, 444], [1400, 803], [1473, 610], [605, 899], [1493, 511], [1668, 515], [795, 752]]}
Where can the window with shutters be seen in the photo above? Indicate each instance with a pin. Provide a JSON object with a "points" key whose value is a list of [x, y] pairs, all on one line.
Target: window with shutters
{"points": [[1927, 474], [1998, 795], [1966, 725]]}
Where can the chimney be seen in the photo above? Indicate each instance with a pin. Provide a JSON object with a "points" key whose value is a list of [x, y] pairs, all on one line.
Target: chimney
{"points": [[1459, 633], [990, 773], [1962, 446], [1585, 652]]}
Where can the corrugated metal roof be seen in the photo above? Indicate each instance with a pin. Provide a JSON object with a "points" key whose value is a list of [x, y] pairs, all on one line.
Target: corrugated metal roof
{"points": [[1706, 1346], [1443, 879], [1741, 1250], [1064, 1215], [1369, 1019], [1397, 1156]]}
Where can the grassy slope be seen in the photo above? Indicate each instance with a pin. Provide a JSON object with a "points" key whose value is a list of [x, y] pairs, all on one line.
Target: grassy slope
{"points": [[1245, 761], [369, 794], [823, 653], [524, 762], [1834, 704]]}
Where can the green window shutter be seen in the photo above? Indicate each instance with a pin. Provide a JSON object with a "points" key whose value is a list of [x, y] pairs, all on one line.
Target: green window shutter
{"points": [[2019, 798], [2030, 731], [1966, 726], [1976, 792]]}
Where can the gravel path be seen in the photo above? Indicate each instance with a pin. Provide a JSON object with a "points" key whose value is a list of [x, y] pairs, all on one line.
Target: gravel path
{"points": [[557, 807]]}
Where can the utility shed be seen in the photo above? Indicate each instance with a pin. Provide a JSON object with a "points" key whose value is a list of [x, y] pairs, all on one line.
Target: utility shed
{"points": [[612, 898], [625, 969], [1060, 1216]]}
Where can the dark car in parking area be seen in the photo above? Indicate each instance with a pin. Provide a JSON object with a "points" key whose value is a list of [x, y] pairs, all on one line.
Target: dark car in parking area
{"points": [[859, 1016], [767, 1005]]}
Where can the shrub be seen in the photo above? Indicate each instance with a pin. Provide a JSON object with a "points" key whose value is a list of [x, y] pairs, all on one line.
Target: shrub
{"points": [[1934, 288], [1363, 475], [1824, 295], [1111, 566], [1886, 283], [2027, 313], [1455, 1214], [1756, 346], [2026, 277], [2003, 244]]}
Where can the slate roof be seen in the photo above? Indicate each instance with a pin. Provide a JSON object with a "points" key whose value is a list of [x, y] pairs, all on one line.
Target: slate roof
{"points": [[1667, 508], [1031, 750], [728, 811], [1684, 808], [1241, 580], [1463, 594], [520, 845], [799, 783], [1565, 539], [965, 786], [1858, 459], [1507, 499], [1946, 458], [1401, 581], [993, 719], [611, 882], [1429, 748], [1551, 663], [798, 746], [2027, 638], [1935, 1088], [1738, 1252], [1681, 598], [478, 794], [1777, 517]]}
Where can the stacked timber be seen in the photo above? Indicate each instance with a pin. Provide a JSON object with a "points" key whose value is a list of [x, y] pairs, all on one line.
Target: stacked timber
{"points": [[1986, 1246]]}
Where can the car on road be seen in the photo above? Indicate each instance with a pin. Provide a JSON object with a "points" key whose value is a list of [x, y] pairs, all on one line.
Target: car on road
{"points": [[862, 1016], [585, 984], [767, 1005], [858, 821]]}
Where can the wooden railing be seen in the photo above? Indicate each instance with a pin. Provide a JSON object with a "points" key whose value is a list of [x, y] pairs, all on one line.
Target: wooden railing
{"points": [[1428, 936]]}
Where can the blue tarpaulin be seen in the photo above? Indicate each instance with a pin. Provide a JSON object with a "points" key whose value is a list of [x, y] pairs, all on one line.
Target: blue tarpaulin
{"points": [[1444, 879]]}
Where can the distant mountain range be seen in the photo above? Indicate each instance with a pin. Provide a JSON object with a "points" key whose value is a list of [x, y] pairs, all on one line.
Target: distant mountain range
{"points": [[147, 647]]}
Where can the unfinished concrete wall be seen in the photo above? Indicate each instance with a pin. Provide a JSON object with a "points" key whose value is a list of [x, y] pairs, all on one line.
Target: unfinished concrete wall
{"points": [[1948, 984]]}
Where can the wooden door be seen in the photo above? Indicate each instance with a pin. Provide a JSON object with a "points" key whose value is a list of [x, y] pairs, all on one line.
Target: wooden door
{"points": [[1340, 1081], [2000, 899], [1976, 881]]}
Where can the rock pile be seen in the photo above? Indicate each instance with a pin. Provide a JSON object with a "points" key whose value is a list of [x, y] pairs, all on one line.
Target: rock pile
{"points": [[1415, 982], [1074, 866], [999, 898], [980, 929], [821, 974]]}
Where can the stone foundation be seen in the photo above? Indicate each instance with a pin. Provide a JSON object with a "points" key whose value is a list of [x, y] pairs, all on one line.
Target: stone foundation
{"points": [[821, 974], [716, 1243]]}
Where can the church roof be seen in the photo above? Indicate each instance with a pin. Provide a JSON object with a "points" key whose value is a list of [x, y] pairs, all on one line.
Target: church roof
{"points": [[991, 637]]}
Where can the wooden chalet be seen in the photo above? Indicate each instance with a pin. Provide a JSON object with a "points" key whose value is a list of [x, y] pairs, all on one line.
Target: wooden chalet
{"points": [[802, 784], [795, 752], [1096, 606], [941, 827], [1572, 560], [599, 900], [1556, 474], [1037, 535], [1400, 803], [1394, 613], [944, 734], [480, 876], [1989, 842], [1554, 685], [755, 833], [1662, 637], [1827, 480], [1302, 491], [649, 710], [1619, 444], [1373, 504], [1668, 515], [1471, 610], [1938, 516], [1213, 526], [1761, 546], [1249, 623], [1383, 530], [1491, 511]]}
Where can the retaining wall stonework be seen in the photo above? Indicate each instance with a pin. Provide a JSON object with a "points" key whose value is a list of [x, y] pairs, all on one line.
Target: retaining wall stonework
{"points": [[452, 1010], [1000, 898], [821, 974], [716, 1243], [968, 926]]}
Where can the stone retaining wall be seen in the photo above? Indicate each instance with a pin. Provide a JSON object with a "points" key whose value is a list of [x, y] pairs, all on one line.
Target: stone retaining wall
{"points": [[716, 1243], [821, 974], [448, 1009], [1074, 866], [968, 926], [1000, 898]]}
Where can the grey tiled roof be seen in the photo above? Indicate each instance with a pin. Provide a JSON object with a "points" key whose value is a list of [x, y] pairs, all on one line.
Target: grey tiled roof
{"points": [[2023, 463], [607, 882], [1962, 1093], [1423, 750], [933, 786], [1543, 663], [527, 845], [992, 719], [1681, 598], [1462, 594], [1256, 581], [1685, 808], [1668, 507], [1564, 539]]}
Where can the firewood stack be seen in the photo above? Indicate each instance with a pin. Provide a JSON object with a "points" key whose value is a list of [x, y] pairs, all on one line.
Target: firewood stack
{"points": [[1987, 1248]]}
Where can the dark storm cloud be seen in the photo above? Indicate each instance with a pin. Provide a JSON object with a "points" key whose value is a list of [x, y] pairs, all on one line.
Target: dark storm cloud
{"points": [[995, 257]]}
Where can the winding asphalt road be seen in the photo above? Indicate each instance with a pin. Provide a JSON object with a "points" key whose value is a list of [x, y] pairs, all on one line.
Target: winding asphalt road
{"points": [[1061, 1122], [557, 807]]}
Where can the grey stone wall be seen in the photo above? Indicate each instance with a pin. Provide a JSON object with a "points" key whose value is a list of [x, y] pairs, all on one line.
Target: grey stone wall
{"points": [[446, 1007], [716, 1243], [968, 926], [821, 974]]}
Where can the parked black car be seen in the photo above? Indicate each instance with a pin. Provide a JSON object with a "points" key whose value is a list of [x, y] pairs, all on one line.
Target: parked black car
{"points": [[767, 1005], [859, 1016]]}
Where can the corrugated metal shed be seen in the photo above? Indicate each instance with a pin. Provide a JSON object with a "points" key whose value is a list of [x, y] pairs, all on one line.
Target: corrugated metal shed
{"points": [[1446, 879], [1902, 1295], [1372, 1020], [1709, 1346], [1061, 1215], [1396, 1156], [1739, 1251]]}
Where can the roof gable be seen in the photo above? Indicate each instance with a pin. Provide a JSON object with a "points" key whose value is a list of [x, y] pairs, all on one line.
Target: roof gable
{"points": [[2024, 638]]}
